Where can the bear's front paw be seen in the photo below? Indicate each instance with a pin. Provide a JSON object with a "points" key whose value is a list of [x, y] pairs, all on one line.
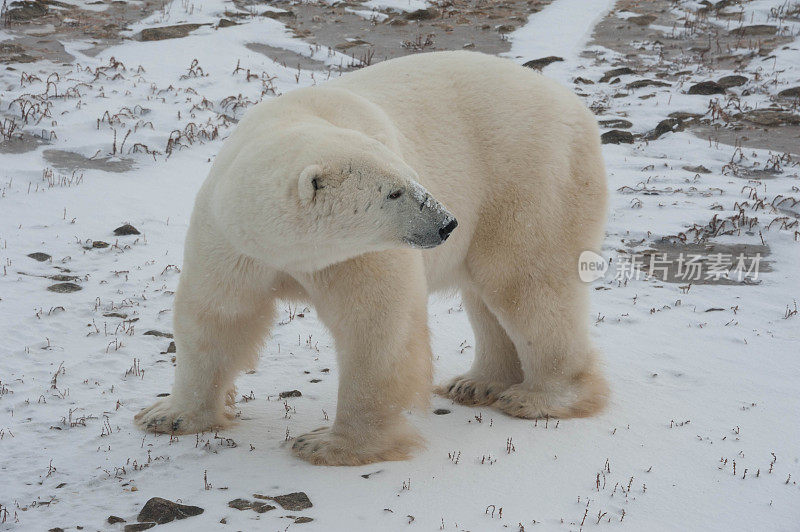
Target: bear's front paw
{"points": [[325, 447], [470, 391], [165, 416]]}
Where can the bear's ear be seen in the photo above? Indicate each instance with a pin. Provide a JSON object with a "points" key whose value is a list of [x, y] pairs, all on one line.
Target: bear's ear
{"points": [[309, 182]]}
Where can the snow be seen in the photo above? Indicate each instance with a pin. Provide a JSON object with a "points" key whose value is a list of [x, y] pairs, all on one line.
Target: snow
{"points": [[694, 392]]}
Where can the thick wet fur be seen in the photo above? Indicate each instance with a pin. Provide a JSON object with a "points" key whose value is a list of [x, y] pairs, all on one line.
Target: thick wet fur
{"points": [[443, 171]]}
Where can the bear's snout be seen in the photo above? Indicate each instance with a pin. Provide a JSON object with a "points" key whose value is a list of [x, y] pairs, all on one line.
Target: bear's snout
{"points": [[445, 231]]}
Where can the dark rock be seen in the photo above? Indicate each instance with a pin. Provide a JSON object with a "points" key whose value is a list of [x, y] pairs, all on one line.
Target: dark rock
{"points": [[616, 123], [41, 257], [171, 347], [164, 511], [113, 520], [756, 29], [668, 125], [538, 64], [136, 527], [639, 83], [583, 81], [423, 14], [731, 81], [707, 87], [293, 501], [162, 394], [158, 333], [697, 169], [301, 520], [168, 32], [290, 393], [226, 23], [623, 71], [793, 92], [25, 11], [315, 380], [115, 315], [441, 411], [127, 229], [64, 288], [615, 136], [99, 244], [642, 20]]}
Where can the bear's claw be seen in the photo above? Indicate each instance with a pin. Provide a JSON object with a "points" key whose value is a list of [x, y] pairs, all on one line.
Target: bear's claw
{"points": [[471, 391]]}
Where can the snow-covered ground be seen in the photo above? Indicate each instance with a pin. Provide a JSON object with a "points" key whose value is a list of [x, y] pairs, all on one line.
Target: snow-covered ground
{"points": [[703, 430]]}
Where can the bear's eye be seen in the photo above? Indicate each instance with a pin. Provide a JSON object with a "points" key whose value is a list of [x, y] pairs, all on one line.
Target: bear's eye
{"points": [[396, 194]]}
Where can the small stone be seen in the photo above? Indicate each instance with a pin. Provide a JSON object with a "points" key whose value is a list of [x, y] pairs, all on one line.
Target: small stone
{"points": [[668, 125], [115, 315], [136, 527], [301, 520], [697, 169], [685, 116], [125, 230], [164, 511], [315, 380], [642, 20], [793, 92], [441, 411], [261, 507], [707, 87], [423, 14], [615, 136], [171, 347], [99, 244], [731, 81], [41, 257], [168, 32], [240, 504], [583, 81], [158, 333], [290, 393], [113, 520], [293, 501], [538, 64], [25, 11], [616, 123], [64, 288], [639, 83], [623, 71], [756, 29]]}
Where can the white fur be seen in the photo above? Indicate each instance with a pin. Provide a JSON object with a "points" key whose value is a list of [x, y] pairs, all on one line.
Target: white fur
{"points": [[299, 205]]}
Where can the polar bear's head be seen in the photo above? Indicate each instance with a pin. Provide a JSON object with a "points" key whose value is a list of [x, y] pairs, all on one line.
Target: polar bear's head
{"points": [[320, 195]]}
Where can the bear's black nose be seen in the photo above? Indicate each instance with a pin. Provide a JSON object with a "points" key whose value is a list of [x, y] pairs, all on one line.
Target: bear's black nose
{"points": [[445, 231]]}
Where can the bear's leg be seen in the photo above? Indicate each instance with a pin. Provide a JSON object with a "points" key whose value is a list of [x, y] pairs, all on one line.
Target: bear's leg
{"points": [[548, 322], [495, 367], [375, 307], [220, 320]]}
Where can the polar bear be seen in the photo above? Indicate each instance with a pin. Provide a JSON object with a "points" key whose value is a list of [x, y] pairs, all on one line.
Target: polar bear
{"points": [[345, 194]]}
